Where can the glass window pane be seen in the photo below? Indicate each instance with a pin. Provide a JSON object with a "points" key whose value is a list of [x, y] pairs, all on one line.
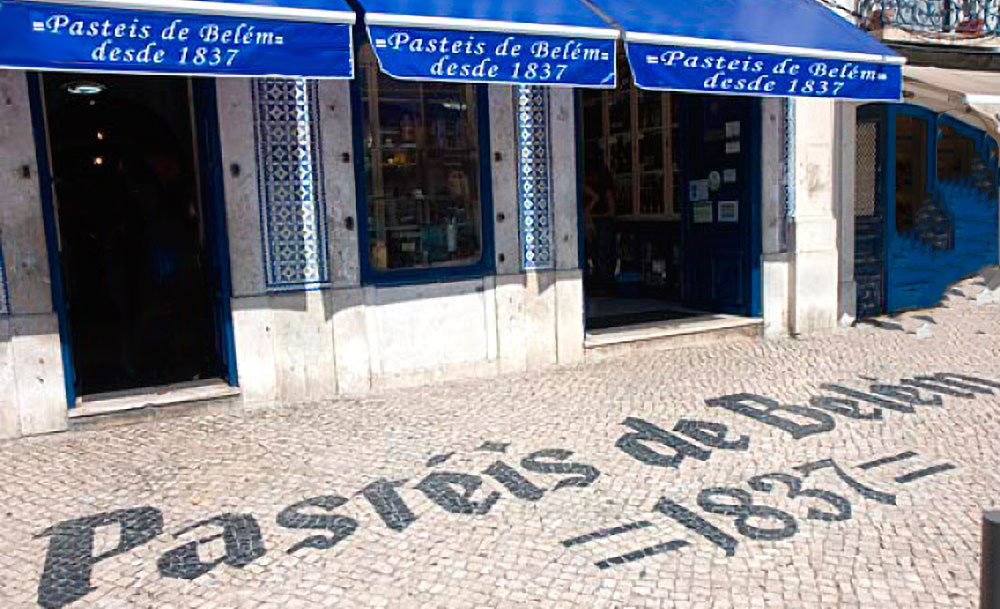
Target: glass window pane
{"points": [[911, 170], [955, 154], [422, 160]]}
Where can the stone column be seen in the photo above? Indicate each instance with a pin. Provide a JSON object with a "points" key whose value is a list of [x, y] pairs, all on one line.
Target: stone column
{"points": [[32, 385], [279, 216], [813, 238], [845, 192], [775, 147]]}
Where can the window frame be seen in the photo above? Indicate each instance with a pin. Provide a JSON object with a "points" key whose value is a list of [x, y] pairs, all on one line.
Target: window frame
{"points": [[930, 150], [371, 275]]}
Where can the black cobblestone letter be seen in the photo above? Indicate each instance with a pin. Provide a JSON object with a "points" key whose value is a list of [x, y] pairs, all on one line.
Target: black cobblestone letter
{"points": [[342, 527], [70, 558], [439, 488], [240, 534], [633, 444], [391, 508], [585, 474], [712, 435], [762, 409]]}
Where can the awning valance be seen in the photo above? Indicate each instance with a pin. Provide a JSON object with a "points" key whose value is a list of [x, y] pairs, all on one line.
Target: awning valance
{"points": [[753, 47], [201, 37], [970, 96], [548, 42]]}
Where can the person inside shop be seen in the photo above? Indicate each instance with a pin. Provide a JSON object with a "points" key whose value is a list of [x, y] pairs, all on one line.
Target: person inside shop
{"points": [[599, 202]]}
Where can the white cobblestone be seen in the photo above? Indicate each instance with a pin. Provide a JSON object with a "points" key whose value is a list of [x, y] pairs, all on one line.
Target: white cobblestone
{"points": [[920, 552]]}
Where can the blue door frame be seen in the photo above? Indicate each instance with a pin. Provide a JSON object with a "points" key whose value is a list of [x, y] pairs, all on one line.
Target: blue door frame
{"points": [[751, 233], [203, 100], [870, 230]]}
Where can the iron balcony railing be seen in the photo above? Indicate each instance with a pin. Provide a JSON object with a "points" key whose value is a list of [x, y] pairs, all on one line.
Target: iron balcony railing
{"points": [[970, 18]]}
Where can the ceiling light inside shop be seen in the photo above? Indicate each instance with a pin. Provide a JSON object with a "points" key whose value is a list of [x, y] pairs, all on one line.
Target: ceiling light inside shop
{"points": [[84, 87]]}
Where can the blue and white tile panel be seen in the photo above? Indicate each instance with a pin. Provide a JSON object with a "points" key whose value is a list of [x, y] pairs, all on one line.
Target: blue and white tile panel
{"points": [[4, 295], [293, 219], [533, 178]]}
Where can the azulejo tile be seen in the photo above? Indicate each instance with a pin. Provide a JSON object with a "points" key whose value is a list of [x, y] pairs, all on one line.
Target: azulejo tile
{"points": [[533, 177], [4, 296], [294, 232]]}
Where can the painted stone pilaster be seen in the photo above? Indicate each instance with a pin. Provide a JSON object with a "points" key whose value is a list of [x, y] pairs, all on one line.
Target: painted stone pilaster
{"points": [[813, 242]]}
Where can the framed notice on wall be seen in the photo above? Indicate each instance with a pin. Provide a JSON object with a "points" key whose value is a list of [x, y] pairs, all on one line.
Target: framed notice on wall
{"points": [[729, 211], [702, 212]]}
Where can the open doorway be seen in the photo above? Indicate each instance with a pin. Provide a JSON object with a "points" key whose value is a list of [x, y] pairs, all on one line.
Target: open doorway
{"points": [[136, 242], [669, 205]]}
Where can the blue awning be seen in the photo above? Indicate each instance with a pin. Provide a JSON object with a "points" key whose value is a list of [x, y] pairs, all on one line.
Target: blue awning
{"points": [[548, 42], [753, 47], [309, 38]]}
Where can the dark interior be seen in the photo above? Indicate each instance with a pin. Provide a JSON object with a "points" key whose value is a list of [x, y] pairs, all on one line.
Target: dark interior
{"points": [[132, 237], [666, 205]]}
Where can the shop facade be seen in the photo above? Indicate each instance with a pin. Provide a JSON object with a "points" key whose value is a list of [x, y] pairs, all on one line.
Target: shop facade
{"points": [[224, 234], [926, 203]]}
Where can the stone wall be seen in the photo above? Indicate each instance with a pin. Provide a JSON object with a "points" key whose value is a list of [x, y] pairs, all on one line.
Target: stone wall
{"points": [[32, 389], [331, 335]]}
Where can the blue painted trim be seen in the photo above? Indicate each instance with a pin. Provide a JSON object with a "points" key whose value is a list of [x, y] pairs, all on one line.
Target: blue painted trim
{"points": [[880, 112], [486, 265], [51, 234], [756, 237], [889, 194], [206, 113]]}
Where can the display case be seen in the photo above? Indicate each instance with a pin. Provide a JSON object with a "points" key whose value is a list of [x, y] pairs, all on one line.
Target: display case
{"points": [[422, 165], [632, 133]]}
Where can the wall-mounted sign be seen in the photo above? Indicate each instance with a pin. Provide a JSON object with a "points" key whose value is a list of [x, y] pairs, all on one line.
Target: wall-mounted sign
{"points": [[698, 190], [63, 37], [701, 212], [497, 57], [740, 73], [729, 211]]}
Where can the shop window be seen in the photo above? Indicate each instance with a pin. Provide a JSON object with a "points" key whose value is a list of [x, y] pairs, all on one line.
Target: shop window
{"points": [[956, 154], [628, 140], [911, 170], [422, 163]]}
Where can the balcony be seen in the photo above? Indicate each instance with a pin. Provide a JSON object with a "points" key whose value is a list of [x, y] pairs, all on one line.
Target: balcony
{"points": [[937, 22]]}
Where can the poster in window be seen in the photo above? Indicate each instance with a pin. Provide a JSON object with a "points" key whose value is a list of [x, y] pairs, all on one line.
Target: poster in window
{"points": [[702, 212], [729, 211], [698, 190]]}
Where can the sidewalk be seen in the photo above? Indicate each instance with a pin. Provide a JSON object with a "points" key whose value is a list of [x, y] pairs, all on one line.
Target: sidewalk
{"points": [[848, 469]]}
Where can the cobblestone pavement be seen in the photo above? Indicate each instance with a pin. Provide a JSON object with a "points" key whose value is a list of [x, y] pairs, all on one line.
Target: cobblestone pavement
{"points": [[635, 482]]}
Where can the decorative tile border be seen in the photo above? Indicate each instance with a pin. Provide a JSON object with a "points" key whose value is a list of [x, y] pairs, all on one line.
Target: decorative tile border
{"points": [[788, 163], [293, 225], [534, 190], [4, 294]]}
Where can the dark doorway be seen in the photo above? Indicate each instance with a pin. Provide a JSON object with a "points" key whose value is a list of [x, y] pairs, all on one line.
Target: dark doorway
{"points": [[668, 205], [135, 251]]}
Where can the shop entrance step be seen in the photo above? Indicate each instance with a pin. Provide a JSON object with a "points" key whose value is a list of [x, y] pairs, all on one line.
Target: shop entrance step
{"points": [[671, 334], [148, 403]]}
